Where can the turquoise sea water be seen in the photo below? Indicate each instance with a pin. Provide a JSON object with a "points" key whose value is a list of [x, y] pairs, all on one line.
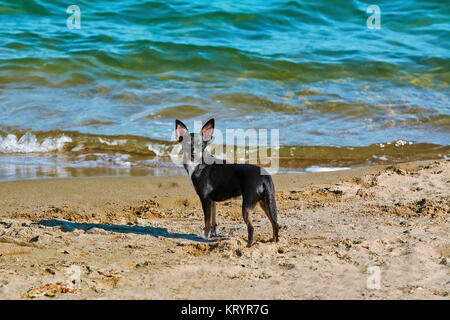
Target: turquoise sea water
{"points": [[312, 69]]}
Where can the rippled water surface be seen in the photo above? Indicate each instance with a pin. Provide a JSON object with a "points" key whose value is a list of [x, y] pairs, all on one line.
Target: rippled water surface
{"points": [[107, 94]]}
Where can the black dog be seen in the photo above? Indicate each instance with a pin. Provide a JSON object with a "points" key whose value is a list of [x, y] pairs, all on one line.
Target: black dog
{"points": [[214, 180]]}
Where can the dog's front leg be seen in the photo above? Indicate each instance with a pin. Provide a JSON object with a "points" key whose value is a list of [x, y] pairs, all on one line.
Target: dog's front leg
{"points": [[207, 206], [213, 220]]}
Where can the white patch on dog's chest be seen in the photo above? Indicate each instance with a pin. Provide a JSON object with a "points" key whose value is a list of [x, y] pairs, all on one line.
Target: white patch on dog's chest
{"points": [[191, 169]]}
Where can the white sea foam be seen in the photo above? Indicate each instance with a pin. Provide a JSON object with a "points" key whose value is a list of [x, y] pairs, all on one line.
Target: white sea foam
{"points": [[400, 143], [159, 150], [28, 143], [113, 143]]}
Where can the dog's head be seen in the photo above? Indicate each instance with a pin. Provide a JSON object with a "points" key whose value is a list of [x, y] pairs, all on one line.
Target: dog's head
{"points": [[193, 144]]}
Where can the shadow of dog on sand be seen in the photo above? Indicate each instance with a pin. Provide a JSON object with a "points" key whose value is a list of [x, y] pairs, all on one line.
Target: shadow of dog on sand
{"points": [[67, 226]]}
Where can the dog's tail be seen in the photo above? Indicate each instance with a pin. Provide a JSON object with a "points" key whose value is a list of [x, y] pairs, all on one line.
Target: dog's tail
{"points": [[271, 205]]}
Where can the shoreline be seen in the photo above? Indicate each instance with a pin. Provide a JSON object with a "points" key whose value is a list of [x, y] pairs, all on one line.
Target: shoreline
{"points": [[55, 154], [135, 238]]}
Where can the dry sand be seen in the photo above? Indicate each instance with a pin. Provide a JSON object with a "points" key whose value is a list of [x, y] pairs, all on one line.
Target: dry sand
{"points": [[369, 233]]}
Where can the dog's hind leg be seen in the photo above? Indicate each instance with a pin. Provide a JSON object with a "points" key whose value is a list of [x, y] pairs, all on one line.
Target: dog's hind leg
{"points": [[247, 210], [270, 206], [273, 218]]}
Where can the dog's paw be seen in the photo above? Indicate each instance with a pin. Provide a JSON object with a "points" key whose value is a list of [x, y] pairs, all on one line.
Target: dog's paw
{"points": [[216, 235], [202, 236]]}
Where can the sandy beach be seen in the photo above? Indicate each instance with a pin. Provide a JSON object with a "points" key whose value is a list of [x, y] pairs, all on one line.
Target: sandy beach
{"points": [[367, 233]]}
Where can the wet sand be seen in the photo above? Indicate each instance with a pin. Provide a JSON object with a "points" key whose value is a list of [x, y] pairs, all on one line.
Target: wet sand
{"points": [[368, 233]]}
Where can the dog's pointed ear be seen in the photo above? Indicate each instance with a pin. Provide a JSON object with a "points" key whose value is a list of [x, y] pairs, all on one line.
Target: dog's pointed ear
{"points": [[180, 129], [207, 130]]}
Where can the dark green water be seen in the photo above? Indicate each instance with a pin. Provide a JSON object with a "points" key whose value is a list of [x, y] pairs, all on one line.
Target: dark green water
{"points": [[311, 69]]}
